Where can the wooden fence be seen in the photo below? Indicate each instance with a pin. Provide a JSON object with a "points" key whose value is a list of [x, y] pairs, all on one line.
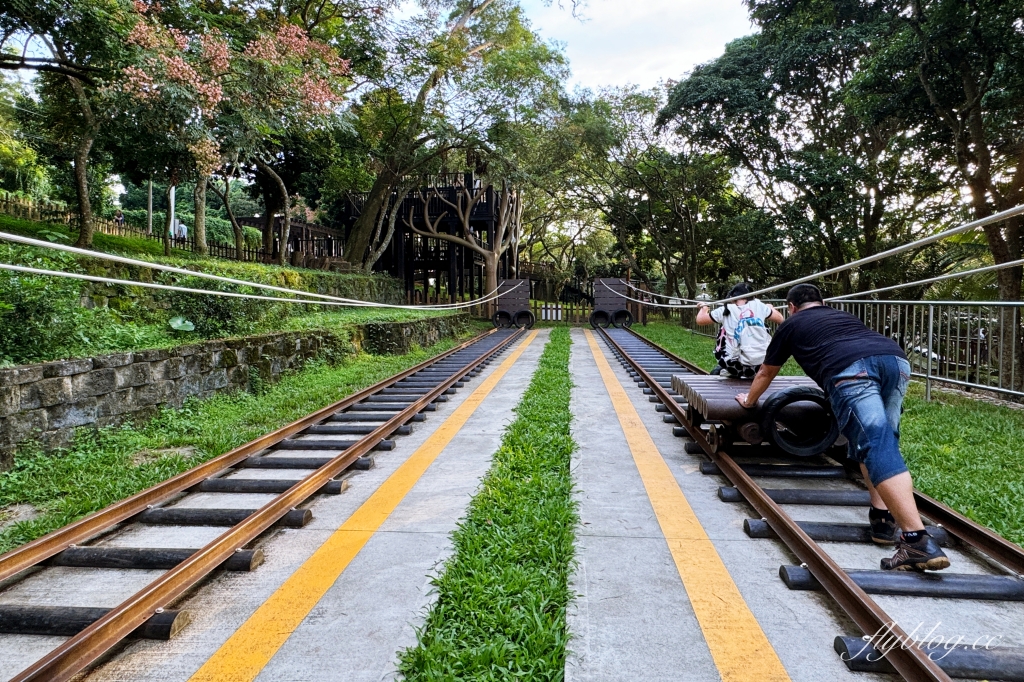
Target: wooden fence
{"points": [[58, 213]]}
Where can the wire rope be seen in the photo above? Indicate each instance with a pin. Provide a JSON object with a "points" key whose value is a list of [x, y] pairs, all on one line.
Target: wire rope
{"points": [[164, 287], [653, 305], [930, 280], [171, 287], [924, 241], [652, 293], [191, 273]]}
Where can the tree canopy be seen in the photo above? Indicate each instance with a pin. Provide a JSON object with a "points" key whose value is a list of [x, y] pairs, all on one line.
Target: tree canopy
{"points": [[831, 133]]}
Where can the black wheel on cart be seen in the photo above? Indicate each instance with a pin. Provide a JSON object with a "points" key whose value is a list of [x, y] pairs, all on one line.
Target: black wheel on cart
{"points": [[622, 318], [600, 318], [502, 319], [790, 428], [524, 319]]}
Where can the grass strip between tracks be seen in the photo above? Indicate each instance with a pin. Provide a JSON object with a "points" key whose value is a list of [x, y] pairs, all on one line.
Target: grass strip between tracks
{"points": [[961, 451], [102, 467], [502, 596]]}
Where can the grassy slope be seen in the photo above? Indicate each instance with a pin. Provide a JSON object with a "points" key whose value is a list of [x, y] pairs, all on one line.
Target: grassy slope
{"points": [[104, 331], [963, 452], [105, 466], [502, 597]]}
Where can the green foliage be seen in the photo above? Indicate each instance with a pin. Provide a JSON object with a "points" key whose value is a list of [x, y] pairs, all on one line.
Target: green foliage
{"points": [[102, 467], [38, 316], [219, 316], [180, 324], [22, 171], [218, 230], [500, 613], [41, 318]]}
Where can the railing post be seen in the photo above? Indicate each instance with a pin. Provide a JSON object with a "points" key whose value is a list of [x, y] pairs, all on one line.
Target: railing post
{"points": [[931, 336]]}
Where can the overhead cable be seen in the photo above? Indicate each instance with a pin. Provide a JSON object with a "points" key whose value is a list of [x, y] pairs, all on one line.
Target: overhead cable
{"points": [[931, 280], [171, 287], [653, 293], [191, 273], [653, 305], [924, 241]]}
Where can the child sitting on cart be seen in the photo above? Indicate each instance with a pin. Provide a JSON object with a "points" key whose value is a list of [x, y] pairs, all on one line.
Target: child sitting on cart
{"points": [[743, 338]]}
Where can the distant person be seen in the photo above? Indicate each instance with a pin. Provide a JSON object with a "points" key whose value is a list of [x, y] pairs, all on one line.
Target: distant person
{"points": [[119, 218], [744, 337], [865, 377]]}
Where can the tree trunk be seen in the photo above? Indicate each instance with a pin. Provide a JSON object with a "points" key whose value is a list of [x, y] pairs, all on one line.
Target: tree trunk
{"points": [[149, 208], [199, 199], [168, 216], [235, 227], [358, 241], [286, 227], [491, 279], [85, 227], [392, 218], [270, 204]]}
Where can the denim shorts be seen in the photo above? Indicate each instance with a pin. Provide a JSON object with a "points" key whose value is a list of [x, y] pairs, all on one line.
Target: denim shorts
{"points": [[867, 399]]}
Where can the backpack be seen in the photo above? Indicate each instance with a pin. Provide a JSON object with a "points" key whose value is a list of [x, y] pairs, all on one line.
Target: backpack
{"points": [[752, 337]]}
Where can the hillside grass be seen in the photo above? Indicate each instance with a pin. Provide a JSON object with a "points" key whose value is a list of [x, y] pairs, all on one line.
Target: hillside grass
{"points": [[502, 596], [42, 318], [104, 466], [963, 452]]}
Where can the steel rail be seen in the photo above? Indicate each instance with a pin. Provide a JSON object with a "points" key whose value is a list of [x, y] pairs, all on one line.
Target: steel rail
{"points": [[974, 534], [911, 662], [37, 551], [967, 531], [78, 652]]}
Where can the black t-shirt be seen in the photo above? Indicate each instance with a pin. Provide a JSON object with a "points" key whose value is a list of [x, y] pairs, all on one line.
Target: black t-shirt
{"points": [[825, 341]]}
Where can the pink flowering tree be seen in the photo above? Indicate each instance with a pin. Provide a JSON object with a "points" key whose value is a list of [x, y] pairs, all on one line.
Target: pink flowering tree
{"points": [[207, 95]]}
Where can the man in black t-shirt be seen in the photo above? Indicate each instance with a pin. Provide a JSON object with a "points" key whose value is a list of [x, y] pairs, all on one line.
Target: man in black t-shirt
{"points": [[865, 377]]}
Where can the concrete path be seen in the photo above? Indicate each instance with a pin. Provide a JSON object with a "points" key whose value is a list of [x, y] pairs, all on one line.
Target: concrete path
{"points": [[632, 618], [372, 610]]}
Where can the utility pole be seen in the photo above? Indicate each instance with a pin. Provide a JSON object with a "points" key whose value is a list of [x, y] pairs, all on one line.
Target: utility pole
{"points": [[149, 208]]}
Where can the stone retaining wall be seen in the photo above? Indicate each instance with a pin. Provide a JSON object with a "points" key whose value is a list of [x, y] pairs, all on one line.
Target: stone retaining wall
{"points": [[48, 401]]}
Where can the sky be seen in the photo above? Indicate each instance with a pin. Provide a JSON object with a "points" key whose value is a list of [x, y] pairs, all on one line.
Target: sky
{"points": [[639, 42]]}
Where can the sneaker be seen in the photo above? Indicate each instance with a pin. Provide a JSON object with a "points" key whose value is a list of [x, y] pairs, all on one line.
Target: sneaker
{"points": [[923, 555], [884, 530], [717, 370]]}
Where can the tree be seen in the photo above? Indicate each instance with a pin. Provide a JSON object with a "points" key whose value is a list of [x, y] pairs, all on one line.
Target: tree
{"points": [[448, 81], [21, 168], [213, 95], [84, 39], [507, 224], [956, 67], [845, 183]]}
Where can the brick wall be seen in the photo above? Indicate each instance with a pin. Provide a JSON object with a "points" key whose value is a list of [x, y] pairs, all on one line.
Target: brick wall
{"points": [[48, 401]]}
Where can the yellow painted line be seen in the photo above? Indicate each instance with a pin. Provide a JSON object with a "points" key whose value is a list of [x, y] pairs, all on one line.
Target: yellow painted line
{"points": [[250, 648], [738, 645]]}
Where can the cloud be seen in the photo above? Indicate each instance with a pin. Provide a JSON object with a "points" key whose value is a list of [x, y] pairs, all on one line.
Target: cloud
{"points": [[640, 41]]}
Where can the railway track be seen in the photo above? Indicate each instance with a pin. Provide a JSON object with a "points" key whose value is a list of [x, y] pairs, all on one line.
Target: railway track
{"points": [[222, 506], [653, 367]]}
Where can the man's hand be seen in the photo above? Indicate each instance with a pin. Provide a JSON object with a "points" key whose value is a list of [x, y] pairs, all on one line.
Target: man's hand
{"points": [[742, 400]]}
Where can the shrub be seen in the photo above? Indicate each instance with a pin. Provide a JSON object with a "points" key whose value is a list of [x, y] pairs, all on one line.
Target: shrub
{"points": [[215, 316], [38, 316]]}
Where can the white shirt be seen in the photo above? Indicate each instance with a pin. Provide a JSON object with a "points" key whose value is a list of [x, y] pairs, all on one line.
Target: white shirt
{"points": [[753, 312]]}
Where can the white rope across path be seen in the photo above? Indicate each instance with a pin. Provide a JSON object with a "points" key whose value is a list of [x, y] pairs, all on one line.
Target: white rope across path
{"points": [[654, 293], [931, 280], [653, 305], [191, 273], [924, 241], [171, 287], [164, 287]]}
